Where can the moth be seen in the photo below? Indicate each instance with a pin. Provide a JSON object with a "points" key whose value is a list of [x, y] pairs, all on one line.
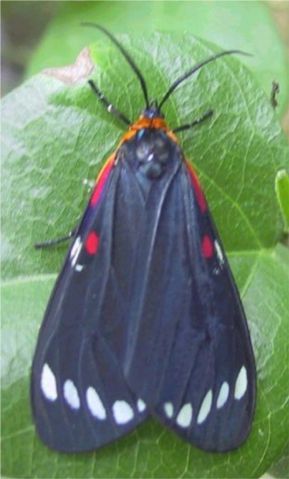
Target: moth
{"points": [[145, 318]]}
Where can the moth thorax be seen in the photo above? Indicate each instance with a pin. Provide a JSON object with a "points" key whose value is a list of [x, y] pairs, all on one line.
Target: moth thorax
{"points": [[153, 151]]}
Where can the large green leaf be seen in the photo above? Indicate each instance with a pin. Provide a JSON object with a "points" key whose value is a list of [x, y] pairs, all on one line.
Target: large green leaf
{"points": [[280, 470], [245, 25], [54, 136]]}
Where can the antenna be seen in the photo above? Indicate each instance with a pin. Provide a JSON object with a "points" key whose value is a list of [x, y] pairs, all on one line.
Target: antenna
{"points": [[196, 68], [126, 56]]}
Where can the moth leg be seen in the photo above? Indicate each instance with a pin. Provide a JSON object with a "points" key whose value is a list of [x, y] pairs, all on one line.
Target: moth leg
{"points": [[54, 242], [187, 126], [107, 104]]}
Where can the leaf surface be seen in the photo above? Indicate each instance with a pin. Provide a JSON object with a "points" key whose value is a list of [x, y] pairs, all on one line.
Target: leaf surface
{"points": [[246, 26]]}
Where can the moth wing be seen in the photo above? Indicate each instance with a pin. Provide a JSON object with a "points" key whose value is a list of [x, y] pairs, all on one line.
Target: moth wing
{"points": [[192, 339], [80, 397]]}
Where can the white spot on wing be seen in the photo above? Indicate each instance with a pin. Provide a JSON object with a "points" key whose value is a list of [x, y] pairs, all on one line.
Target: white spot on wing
{"points": [[79, 267], [241, 383], [122, 412], [48, 383], [185, 415], [169, 409], [205, 407], [219, 252], [141, 405], [75, 251], [70, 394], [95, 404], [223, 395]]}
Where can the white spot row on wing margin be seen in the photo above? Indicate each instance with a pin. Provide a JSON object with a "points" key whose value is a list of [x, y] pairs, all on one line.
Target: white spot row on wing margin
{"points": [[122, 411], [185, 415]]}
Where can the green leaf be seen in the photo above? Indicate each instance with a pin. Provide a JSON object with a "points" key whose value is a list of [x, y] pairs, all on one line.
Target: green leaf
{"points": [[247, 26], [54, 136], [282, 192], [281, 468]]}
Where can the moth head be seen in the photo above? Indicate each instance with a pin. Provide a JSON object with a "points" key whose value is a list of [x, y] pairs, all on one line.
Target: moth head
{"points": [[153, 111]]}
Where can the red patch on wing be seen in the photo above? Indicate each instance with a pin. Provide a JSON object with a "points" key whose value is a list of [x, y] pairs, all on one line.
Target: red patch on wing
{"points": [[101, 180], [92, 243], [207, 247], [197, 188]]}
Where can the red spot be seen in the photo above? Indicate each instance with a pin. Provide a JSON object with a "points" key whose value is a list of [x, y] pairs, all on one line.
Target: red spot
{"points": [[207, 247], [92, 243], [101, 180], [197, 188]]}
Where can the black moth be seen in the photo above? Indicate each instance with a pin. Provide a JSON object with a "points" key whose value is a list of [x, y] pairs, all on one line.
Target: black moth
{"points": [[145, 318]]}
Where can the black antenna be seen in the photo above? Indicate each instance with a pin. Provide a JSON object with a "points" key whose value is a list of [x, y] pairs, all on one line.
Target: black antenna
{"points": [[126, 56], [194, 69]]}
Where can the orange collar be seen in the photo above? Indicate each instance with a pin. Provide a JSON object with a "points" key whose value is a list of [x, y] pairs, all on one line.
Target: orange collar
{"points": [[145, 122]]}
